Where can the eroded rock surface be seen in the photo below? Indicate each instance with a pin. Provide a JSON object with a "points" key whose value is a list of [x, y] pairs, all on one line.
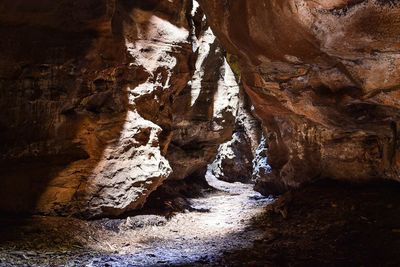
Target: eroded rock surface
{"points": [[204, 113], [96, 96], [64, 73], [324, 78], [238, 159]]}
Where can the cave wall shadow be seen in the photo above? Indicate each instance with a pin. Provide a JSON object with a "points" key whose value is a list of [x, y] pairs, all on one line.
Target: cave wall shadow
{"points": [[65, 95], [326, 223], [55, 87]]}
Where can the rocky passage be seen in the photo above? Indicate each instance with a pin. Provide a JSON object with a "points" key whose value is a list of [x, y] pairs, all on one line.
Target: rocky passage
{"points": [[323, 77], [109, 100], [321, 224], [218, 223], [124, 108], [106, 101]]}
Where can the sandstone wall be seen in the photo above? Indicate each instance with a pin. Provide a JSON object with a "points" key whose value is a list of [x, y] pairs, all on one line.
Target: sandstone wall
{"points": [[97, 102], [323, 77]]}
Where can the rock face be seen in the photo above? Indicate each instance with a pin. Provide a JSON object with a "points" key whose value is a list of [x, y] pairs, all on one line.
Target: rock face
{"points": [[97, 95], [75, 137], [204, 112], [324, 79], [103, 101], [238, 159]]}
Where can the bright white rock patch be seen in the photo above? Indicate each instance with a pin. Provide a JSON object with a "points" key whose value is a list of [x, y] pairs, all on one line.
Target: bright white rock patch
{"points": [[129, 169], [260, 162], [226, 99], [204, 47], [225, 151], [155, 42]]}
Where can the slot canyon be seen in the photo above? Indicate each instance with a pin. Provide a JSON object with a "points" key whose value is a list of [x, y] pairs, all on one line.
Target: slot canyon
{"points": [[199, 133]]}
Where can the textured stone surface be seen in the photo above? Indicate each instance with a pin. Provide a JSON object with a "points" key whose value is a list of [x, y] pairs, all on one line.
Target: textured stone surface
{"points": [[62, 99], [104, 100], [237, 160], [204, 113], [324, 77], [91, 94], [74, 138]]}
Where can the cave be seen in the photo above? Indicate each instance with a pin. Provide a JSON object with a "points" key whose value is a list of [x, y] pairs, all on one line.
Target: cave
{"points": [[199, 133]]}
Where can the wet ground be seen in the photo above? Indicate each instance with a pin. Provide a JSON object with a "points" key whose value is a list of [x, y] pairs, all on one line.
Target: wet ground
{"points": [[219, 222]]}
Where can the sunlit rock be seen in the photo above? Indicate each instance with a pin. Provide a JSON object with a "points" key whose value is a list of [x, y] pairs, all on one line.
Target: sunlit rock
{"points": [[86, 92], [105, 100], [323, 77]]}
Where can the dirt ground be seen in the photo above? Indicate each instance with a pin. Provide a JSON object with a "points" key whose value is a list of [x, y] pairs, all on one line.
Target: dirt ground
{"points": [[327, 224], [323, 224], [217, 222]]}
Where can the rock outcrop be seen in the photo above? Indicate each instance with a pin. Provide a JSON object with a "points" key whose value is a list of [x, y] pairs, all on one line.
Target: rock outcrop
{"points": [[97, 95], [203, 114], [103, 101], [238, 160], [324, 78], [76, 79]]}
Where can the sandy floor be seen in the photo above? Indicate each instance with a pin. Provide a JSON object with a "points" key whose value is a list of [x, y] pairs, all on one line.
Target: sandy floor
{"points": [[323, 224], [330, 224], [220, 222]]}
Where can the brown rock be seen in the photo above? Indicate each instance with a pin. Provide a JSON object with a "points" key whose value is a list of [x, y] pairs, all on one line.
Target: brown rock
{"points": [[77, 82], [97, 95], [238, 158], [323, 77]]}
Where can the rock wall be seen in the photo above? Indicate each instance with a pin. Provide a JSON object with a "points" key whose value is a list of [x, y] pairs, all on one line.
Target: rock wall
{"points": [[323, 77], [105, 100], [238, 160], [97, 95], [204, 112]]}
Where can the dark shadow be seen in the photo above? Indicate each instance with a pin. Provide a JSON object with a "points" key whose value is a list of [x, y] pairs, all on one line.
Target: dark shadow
{"points": [[50, 59], [202, 109], [173, 197], [63, 79], [328, 223]]}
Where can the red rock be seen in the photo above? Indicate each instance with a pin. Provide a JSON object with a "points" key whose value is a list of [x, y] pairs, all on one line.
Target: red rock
{"points": [[319, 74]]}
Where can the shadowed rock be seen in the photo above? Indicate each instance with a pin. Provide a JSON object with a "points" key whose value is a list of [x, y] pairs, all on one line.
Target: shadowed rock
{"points": [[323, 77]]}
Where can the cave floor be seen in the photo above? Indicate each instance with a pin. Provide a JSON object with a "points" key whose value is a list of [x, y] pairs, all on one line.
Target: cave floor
{"points": [[219, 221], [322, 224], [327, 224]]}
